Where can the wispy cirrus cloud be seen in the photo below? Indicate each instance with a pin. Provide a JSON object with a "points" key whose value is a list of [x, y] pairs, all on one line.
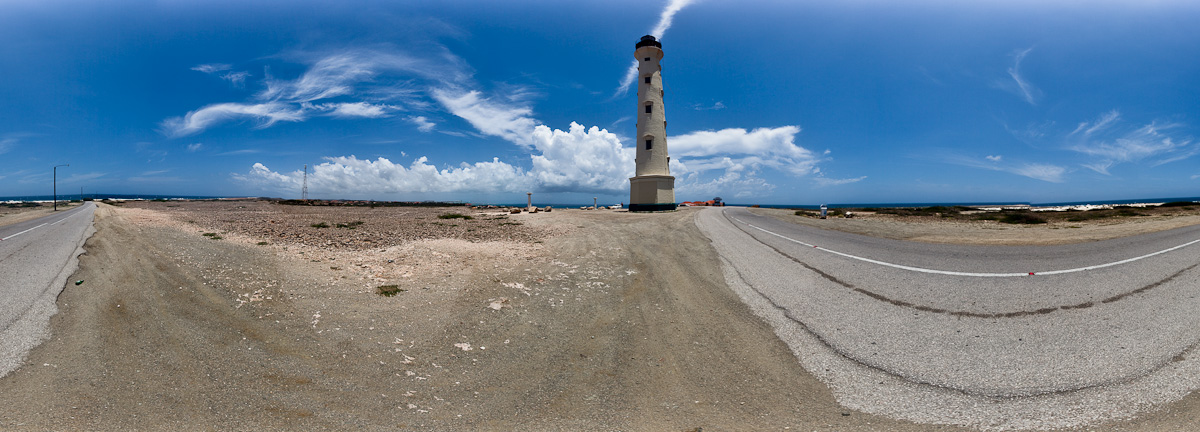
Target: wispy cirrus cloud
{"points": [[1034, 170], [212, 68], [1110, 142], [824, 181], [665, 19], [491, 117], [353, 83], [264, 115], [7, 144], [356, 109], [1020, 85]]}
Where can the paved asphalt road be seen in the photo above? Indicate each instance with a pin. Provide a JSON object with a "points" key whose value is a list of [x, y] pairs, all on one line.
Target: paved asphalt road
{"points": [[36, 257], [989, 336]]}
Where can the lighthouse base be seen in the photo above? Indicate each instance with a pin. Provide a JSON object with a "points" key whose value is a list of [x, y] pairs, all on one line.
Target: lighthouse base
{"points": [[651, 193]]}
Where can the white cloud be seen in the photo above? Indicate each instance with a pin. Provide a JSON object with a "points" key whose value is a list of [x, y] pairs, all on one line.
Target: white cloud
{"points": [[994, 158], [212, 68], [714, 107], [1110, 144], [238, 79], [490, 117], [1044, 172], [732, 183], [1023, 87], [665, 19], [581, 160], [772, 147], [266, 114], [423, 124], [823, 181], [1038, 171], [375, 81], [356, 109], [195, 147], [1101, 123], [577, 160], [7, 144]]}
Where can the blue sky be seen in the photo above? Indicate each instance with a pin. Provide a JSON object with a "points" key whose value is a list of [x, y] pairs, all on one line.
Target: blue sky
{"points": [[769, 102]]}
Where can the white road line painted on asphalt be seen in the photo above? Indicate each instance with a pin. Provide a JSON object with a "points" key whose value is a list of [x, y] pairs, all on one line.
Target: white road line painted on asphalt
{"points": [[23, 232], [954, 273]]}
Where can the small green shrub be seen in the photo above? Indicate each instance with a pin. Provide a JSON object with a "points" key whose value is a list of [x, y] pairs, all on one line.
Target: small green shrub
{"points": [[213, 236], [263, 243], [389, 290], [1022, 218], [320, 225], [455, 216], [350, 225]]}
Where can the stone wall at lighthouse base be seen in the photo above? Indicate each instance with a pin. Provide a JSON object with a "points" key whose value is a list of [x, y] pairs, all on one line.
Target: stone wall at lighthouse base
{"points": [[652, 193]]}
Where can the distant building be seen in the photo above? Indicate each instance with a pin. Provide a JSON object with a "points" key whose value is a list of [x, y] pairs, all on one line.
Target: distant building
{"points": [[652, 188]]}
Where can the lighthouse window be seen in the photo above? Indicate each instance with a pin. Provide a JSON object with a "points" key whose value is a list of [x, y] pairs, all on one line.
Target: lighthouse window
{"points": [[649, 144], [647, 79], [647, 59], [648, 108]]}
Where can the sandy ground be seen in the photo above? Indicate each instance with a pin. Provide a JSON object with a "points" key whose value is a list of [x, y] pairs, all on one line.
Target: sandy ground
{"points": [[932, 230], [567, 320], [10, 215], [609, 321]]}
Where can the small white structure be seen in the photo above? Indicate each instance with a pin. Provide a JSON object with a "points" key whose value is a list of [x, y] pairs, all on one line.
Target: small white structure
{"points": [[652, 188]]}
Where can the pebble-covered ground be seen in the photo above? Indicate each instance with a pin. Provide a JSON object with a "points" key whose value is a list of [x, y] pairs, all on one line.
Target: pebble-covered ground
{"points": [[344, 227]]}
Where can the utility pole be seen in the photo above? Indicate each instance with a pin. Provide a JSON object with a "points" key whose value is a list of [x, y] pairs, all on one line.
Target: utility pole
{"points": [[304, 189], [56, 185]]}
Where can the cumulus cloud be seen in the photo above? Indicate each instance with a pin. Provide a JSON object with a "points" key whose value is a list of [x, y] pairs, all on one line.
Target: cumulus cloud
{"points": [[772, 147], [576, 160], [581, 160], [423, 124], [665, 19]]}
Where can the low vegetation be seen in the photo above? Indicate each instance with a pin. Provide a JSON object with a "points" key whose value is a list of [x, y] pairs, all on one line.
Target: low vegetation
{"points": [[455, 216], [389, 290], [350, 225], [320, 225], [213, 236]]}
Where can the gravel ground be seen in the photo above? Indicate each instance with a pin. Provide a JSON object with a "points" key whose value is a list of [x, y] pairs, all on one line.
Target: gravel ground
{"points": [[930, 229], [597, 320], [570, 320]]}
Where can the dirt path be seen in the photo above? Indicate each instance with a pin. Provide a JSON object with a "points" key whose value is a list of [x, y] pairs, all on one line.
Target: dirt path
{"points": [[621, 322]]}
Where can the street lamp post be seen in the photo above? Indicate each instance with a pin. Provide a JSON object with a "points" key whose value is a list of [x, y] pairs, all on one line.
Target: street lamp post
{"points": [[56, 185]]}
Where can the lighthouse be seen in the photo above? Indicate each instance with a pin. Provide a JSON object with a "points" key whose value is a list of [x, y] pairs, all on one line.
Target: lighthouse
{"points": [[652, 188]]}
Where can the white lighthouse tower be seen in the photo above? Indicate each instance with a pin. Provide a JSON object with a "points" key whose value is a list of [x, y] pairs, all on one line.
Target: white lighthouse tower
{"points": [[652, 188]]}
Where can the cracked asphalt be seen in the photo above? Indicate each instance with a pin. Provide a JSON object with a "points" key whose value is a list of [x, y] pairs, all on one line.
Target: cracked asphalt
{"points": [[933, 333]]}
